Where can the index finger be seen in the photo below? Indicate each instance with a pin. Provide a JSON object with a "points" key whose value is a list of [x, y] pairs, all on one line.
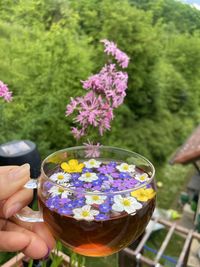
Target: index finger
{"points": [[13, 179]]}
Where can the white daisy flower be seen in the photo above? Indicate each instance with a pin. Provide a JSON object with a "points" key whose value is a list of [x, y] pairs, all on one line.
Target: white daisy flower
{"points": [[124, 167], [95, 199], [88, 177], [128, 204], [142, 177], [56, 191], [85, 213], [92, 163], [60, 177]]}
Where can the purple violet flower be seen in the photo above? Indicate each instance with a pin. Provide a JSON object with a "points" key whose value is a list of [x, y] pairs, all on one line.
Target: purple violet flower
{"points": [[78, 183], [53, 202], [117, 183], [84, 170], [105, 207], [106, 169], [97, 182], [103, 177], [64, 201], [79, 202], [101, 217], [87, 185], [70, 205], [75, 175], [47, 185], [97, 188], [64, 211], [112, 163], [124, 175]]}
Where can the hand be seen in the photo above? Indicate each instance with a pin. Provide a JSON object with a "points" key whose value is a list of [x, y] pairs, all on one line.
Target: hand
{"points": [[33, 239]]}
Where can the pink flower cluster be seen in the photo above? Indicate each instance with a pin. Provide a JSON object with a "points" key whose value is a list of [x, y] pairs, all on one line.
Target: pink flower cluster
{"points": [[109, 83], [5, 93], [111, 49], [92, 150], [107, 90]]}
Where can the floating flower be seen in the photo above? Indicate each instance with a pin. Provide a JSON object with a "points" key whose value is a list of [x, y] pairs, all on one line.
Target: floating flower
{"points": [[88, 177], [86, 170], [72, 166], [101, 217], [78, 183], [92, 163], [143, 194], [64, 211], [95, 199], [75, 175], [79, 202], [64, 201], [56, 191], [112, 163], [85, 213], [87, 185], [106, 169], [124, 167], [109, 170], [60, 177], [47, 185], [128, 204], [124, 175], [53, 202], [97, 182], [105, 207], [142, 177]]}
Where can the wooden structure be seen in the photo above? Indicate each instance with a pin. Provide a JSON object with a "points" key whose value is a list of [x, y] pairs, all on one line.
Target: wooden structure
{"points": [[189, 151], [17, 261], [139, 259]]}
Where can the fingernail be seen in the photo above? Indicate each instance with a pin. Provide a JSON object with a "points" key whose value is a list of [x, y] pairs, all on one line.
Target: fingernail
{"points": [[47, 255], [19, 172], [9, 212]]}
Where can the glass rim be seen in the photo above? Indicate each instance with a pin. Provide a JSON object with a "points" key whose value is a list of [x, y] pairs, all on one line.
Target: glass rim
{"points": [[85, 192]]}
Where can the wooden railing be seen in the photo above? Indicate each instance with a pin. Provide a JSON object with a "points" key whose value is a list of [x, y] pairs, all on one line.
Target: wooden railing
{"points": [[138, 259]]}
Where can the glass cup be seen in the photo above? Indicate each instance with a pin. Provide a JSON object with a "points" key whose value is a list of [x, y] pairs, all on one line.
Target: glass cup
{"points": [[96, 202]]}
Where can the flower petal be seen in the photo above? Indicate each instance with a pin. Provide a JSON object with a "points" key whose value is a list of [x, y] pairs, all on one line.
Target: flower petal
{"points": [[118, 208]]}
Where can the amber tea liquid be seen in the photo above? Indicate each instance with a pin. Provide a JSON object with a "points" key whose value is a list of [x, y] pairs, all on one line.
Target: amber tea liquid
{"points": [[98, 238]]}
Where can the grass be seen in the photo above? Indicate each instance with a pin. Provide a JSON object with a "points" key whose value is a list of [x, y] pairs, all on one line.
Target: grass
{"points": [[171, 253], [174, 179], [4, 256], [111, 261]]}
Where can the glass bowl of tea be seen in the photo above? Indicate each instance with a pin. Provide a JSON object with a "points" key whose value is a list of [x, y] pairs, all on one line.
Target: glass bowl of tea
{"points": [[97, 205]]}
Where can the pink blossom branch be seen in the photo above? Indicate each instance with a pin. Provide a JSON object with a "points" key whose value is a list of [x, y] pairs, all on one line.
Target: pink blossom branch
{"points": [[4, 92], [106, 91]]}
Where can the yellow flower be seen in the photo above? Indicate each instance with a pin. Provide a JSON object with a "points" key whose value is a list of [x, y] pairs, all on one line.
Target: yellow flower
{"points": [[72, 166], [143, 194]]}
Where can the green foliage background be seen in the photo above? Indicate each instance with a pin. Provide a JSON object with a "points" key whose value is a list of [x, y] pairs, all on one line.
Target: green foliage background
{"points": [[48, 46]]}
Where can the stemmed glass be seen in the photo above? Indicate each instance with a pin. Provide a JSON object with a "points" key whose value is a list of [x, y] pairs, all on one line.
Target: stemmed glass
{"points": [[95, 205]]}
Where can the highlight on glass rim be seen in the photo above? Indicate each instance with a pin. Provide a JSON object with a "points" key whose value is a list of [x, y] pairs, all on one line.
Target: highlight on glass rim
{"points": [[99, 144]]}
